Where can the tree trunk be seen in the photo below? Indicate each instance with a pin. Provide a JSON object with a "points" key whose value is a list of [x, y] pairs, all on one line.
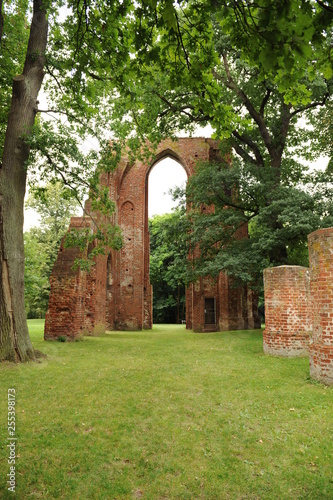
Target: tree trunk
{"points": [[1, 21], [15, 344]]}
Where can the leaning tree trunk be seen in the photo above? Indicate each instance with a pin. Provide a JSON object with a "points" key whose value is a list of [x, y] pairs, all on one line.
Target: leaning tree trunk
{"points": [[15, 344]]}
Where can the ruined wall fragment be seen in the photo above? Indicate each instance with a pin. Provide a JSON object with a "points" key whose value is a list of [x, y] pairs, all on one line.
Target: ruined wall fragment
{"points": [[288, 324]]}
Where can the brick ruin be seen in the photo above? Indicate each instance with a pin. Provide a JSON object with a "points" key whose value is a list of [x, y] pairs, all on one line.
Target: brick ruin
{"points": [[321, 268], [299, 308], [117, 293], [287, 311]]}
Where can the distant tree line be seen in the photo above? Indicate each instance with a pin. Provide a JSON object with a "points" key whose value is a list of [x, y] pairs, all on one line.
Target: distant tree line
{"points": [[55, 206]]}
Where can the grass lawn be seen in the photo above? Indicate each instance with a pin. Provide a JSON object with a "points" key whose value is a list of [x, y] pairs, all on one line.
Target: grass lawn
{"points": [[167, 414]]}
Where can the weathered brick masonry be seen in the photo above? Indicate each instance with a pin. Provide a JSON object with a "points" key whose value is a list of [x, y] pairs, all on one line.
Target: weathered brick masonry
{"points": [[287, 311], [321, 268], [67, 306], [118, 292]]}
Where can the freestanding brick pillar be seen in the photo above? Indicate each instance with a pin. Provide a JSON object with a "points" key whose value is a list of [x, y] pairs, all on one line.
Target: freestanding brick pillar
{"points": [[321, 270], [287, 311]]}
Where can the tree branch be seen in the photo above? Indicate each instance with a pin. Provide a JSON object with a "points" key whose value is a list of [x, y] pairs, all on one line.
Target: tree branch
{"points": [[252, 145], [257, 117], [265, 101], [311, 105], [182, 43], [54, 77], [181, 109], [243, 154], [231, 204], [70, 116], [71, 187], [324, 6], [99, 78], [285, 121]]}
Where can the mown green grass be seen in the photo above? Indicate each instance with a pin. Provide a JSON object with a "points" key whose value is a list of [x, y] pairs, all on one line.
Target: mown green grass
{"points": [[167, 414]]}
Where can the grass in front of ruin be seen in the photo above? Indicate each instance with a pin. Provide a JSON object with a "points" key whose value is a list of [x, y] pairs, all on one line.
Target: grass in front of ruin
{"points": [[167, 414]]}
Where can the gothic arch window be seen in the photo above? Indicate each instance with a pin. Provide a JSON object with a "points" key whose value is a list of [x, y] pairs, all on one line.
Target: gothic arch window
{"points": [[165, 174]]}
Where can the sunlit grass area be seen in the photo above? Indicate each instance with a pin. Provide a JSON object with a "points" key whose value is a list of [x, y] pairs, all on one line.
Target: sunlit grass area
{"points": [[167, 414]]}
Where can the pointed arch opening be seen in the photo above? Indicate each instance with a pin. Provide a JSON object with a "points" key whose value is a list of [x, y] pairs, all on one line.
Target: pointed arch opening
{"points": [[165, 174], [166, 247]]}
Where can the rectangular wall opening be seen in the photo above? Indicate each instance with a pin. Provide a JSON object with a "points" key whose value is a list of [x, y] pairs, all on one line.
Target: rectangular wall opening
{"points": [[210, 311]]}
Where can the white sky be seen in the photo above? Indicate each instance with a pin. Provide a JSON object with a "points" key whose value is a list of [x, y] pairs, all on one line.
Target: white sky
{"points": [[31, 219], [166, 175]]}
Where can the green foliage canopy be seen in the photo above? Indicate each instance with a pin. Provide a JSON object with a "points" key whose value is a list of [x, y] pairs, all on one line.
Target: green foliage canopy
{"points": [[168, 265], [259, 73], [224, 198]]}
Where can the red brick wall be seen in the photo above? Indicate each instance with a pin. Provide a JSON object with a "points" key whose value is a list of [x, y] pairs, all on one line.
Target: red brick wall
{"points": [[96, 295], [287, 311], [321, 269], [67, 308], [235, 306]]}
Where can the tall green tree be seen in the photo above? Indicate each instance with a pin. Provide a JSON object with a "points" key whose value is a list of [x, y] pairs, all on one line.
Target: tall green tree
{"points": [[15, 28], [168, 266]]}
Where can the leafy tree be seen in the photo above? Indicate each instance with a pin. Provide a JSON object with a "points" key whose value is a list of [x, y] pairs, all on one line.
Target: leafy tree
{"points": [[168, 265], [14, 341], [279, 219], [55, 205]]}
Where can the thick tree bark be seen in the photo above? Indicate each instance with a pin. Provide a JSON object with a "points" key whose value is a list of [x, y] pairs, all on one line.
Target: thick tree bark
{"points": [[1, 21], [15, 344]]}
